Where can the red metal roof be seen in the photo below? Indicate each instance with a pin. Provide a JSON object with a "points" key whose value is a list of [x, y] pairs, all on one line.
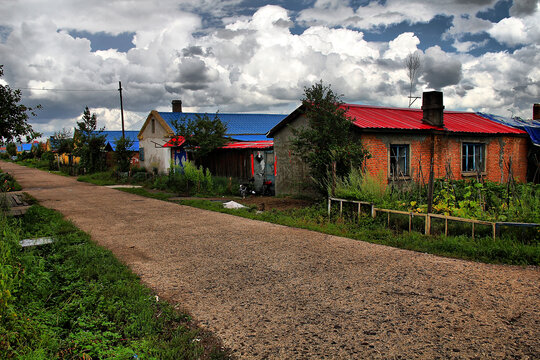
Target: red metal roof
{"points": [[374, 117], [263, 144], [175, 141]]}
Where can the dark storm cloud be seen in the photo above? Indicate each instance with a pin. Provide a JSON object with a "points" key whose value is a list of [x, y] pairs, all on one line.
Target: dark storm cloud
{"points": [[192, 50], [522, 8], [441, 70], [475, 2], [193, 71]]}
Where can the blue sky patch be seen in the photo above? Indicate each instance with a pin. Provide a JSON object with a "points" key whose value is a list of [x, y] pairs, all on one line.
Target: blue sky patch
{"points": [[104, 41]]}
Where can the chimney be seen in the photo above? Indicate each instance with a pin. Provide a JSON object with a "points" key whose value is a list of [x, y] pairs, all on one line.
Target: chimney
{"points": [[177, 106], [432, 105], [536, 112]]}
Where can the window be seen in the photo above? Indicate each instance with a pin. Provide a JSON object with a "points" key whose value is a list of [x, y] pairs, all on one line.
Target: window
{"points": [[473, 157], [141, 154], [399, 160], [153, 126]]}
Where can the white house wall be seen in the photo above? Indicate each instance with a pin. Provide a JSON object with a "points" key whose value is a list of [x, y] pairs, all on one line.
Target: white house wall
{"points": [[155, 155]]}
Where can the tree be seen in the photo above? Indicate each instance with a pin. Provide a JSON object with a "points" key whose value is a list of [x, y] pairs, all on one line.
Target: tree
{"points": [[11, 149], [202, 135], [413, 65], [62, 141], [89, 143], [329, 139], [122, 154], [14, 116]]}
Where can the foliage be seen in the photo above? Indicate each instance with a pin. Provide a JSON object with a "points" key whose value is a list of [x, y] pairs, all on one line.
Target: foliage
{"points": [[8, 183], [11, 149], [14, 116], [190, 179], [329, 137], [122, 154], [37, 151], [484, 200], [89, 143], [73, 299], [357, 185], [62, 142], [202, 135]]}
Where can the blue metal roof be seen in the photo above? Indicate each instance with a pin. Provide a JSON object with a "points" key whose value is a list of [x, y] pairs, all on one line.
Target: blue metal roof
{"points": [[112, 135], [532, 127], [249, 126]]}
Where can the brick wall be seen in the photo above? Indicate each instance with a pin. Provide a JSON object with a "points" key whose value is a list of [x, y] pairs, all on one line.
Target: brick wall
{"points": [[500, 151]]}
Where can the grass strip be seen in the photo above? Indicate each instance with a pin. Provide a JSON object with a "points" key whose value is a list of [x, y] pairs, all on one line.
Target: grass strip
{"points": [[504, 250], [74, 299]]}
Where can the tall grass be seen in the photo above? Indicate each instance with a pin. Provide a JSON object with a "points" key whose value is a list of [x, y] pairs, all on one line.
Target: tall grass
{"points": [[360, 186]]}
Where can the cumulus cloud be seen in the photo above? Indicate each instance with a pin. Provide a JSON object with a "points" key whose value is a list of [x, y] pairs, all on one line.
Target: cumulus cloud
{"points": [[254, 63], [510, 31]]}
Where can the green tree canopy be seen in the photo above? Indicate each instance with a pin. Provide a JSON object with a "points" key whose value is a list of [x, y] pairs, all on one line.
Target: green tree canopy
{"points": [[62, 141], [14, 116], [89, 143], [122, 154], [202, 135], [329, 138]]}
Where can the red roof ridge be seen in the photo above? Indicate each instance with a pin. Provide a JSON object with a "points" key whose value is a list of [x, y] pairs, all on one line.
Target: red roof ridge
{"points": [[401, 108]]}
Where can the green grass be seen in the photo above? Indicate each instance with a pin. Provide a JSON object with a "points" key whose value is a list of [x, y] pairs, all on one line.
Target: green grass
{"points": [[99, 178], [144, 192], [73, 299]]}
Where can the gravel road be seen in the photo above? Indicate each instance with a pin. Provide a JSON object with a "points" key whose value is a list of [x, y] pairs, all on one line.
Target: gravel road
{"points": [[273, 292]]}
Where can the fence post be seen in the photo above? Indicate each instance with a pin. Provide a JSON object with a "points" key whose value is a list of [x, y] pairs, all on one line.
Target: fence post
{"points": [[445, 226], [494, 227], [359, 209], [340, 208], [410, 221], [388, 214], [473, 230], [373, 211], [329, 205], [428, 224]]}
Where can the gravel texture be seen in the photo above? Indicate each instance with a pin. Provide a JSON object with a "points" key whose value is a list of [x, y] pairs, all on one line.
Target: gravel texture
{"points": [[273, 292]]}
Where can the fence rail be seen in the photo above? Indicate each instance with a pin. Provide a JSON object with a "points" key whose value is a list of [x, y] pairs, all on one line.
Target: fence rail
{"points": [[495, 226]]}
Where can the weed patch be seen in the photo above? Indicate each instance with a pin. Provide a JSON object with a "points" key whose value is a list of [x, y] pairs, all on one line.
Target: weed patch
{"points": [[73, 299]]}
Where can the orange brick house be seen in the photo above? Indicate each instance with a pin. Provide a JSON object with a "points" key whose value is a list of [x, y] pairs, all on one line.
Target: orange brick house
{"points": [[401, 141]]}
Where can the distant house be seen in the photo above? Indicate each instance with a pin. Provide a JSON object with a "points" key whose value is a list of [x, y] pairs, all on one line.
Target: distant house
{"points": [[401, 142], [111, 136], [248, 155]]}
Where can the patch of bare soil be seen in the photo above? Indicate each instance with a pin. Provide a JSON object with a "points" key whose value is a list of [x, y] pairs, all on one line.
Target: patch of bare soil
{"points": [[274, 292], [272, 202]]}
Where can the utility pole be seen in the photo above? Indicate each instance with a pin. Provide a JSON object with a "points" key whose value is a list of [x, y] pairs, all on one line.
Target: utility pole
{"points": [[121, 107]]}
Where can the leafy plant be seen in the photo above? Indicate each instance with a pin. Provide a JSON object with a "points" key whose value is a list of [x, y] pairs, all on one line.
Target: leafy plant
{"points": [[329, 139]]}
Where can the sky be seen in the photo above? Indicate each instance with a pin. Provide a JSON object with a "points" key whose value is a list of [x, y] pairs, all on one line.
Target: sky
{"points": [[259, 56]]}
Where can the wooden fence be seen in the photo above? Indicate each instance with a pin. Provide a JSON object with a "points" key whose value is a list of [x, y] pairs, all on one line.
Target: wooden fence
{"points": [[495, 226]]}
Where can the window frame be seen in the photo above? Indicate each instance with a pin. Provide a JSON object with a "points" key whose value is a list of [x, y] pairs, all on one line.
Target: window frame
{"points": [[465, 170], [403, 146]]}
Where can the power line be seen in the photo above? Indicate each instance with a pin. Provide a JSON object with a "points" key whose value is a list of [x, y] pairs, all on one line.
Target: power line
{"points": [[67, 90]]}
